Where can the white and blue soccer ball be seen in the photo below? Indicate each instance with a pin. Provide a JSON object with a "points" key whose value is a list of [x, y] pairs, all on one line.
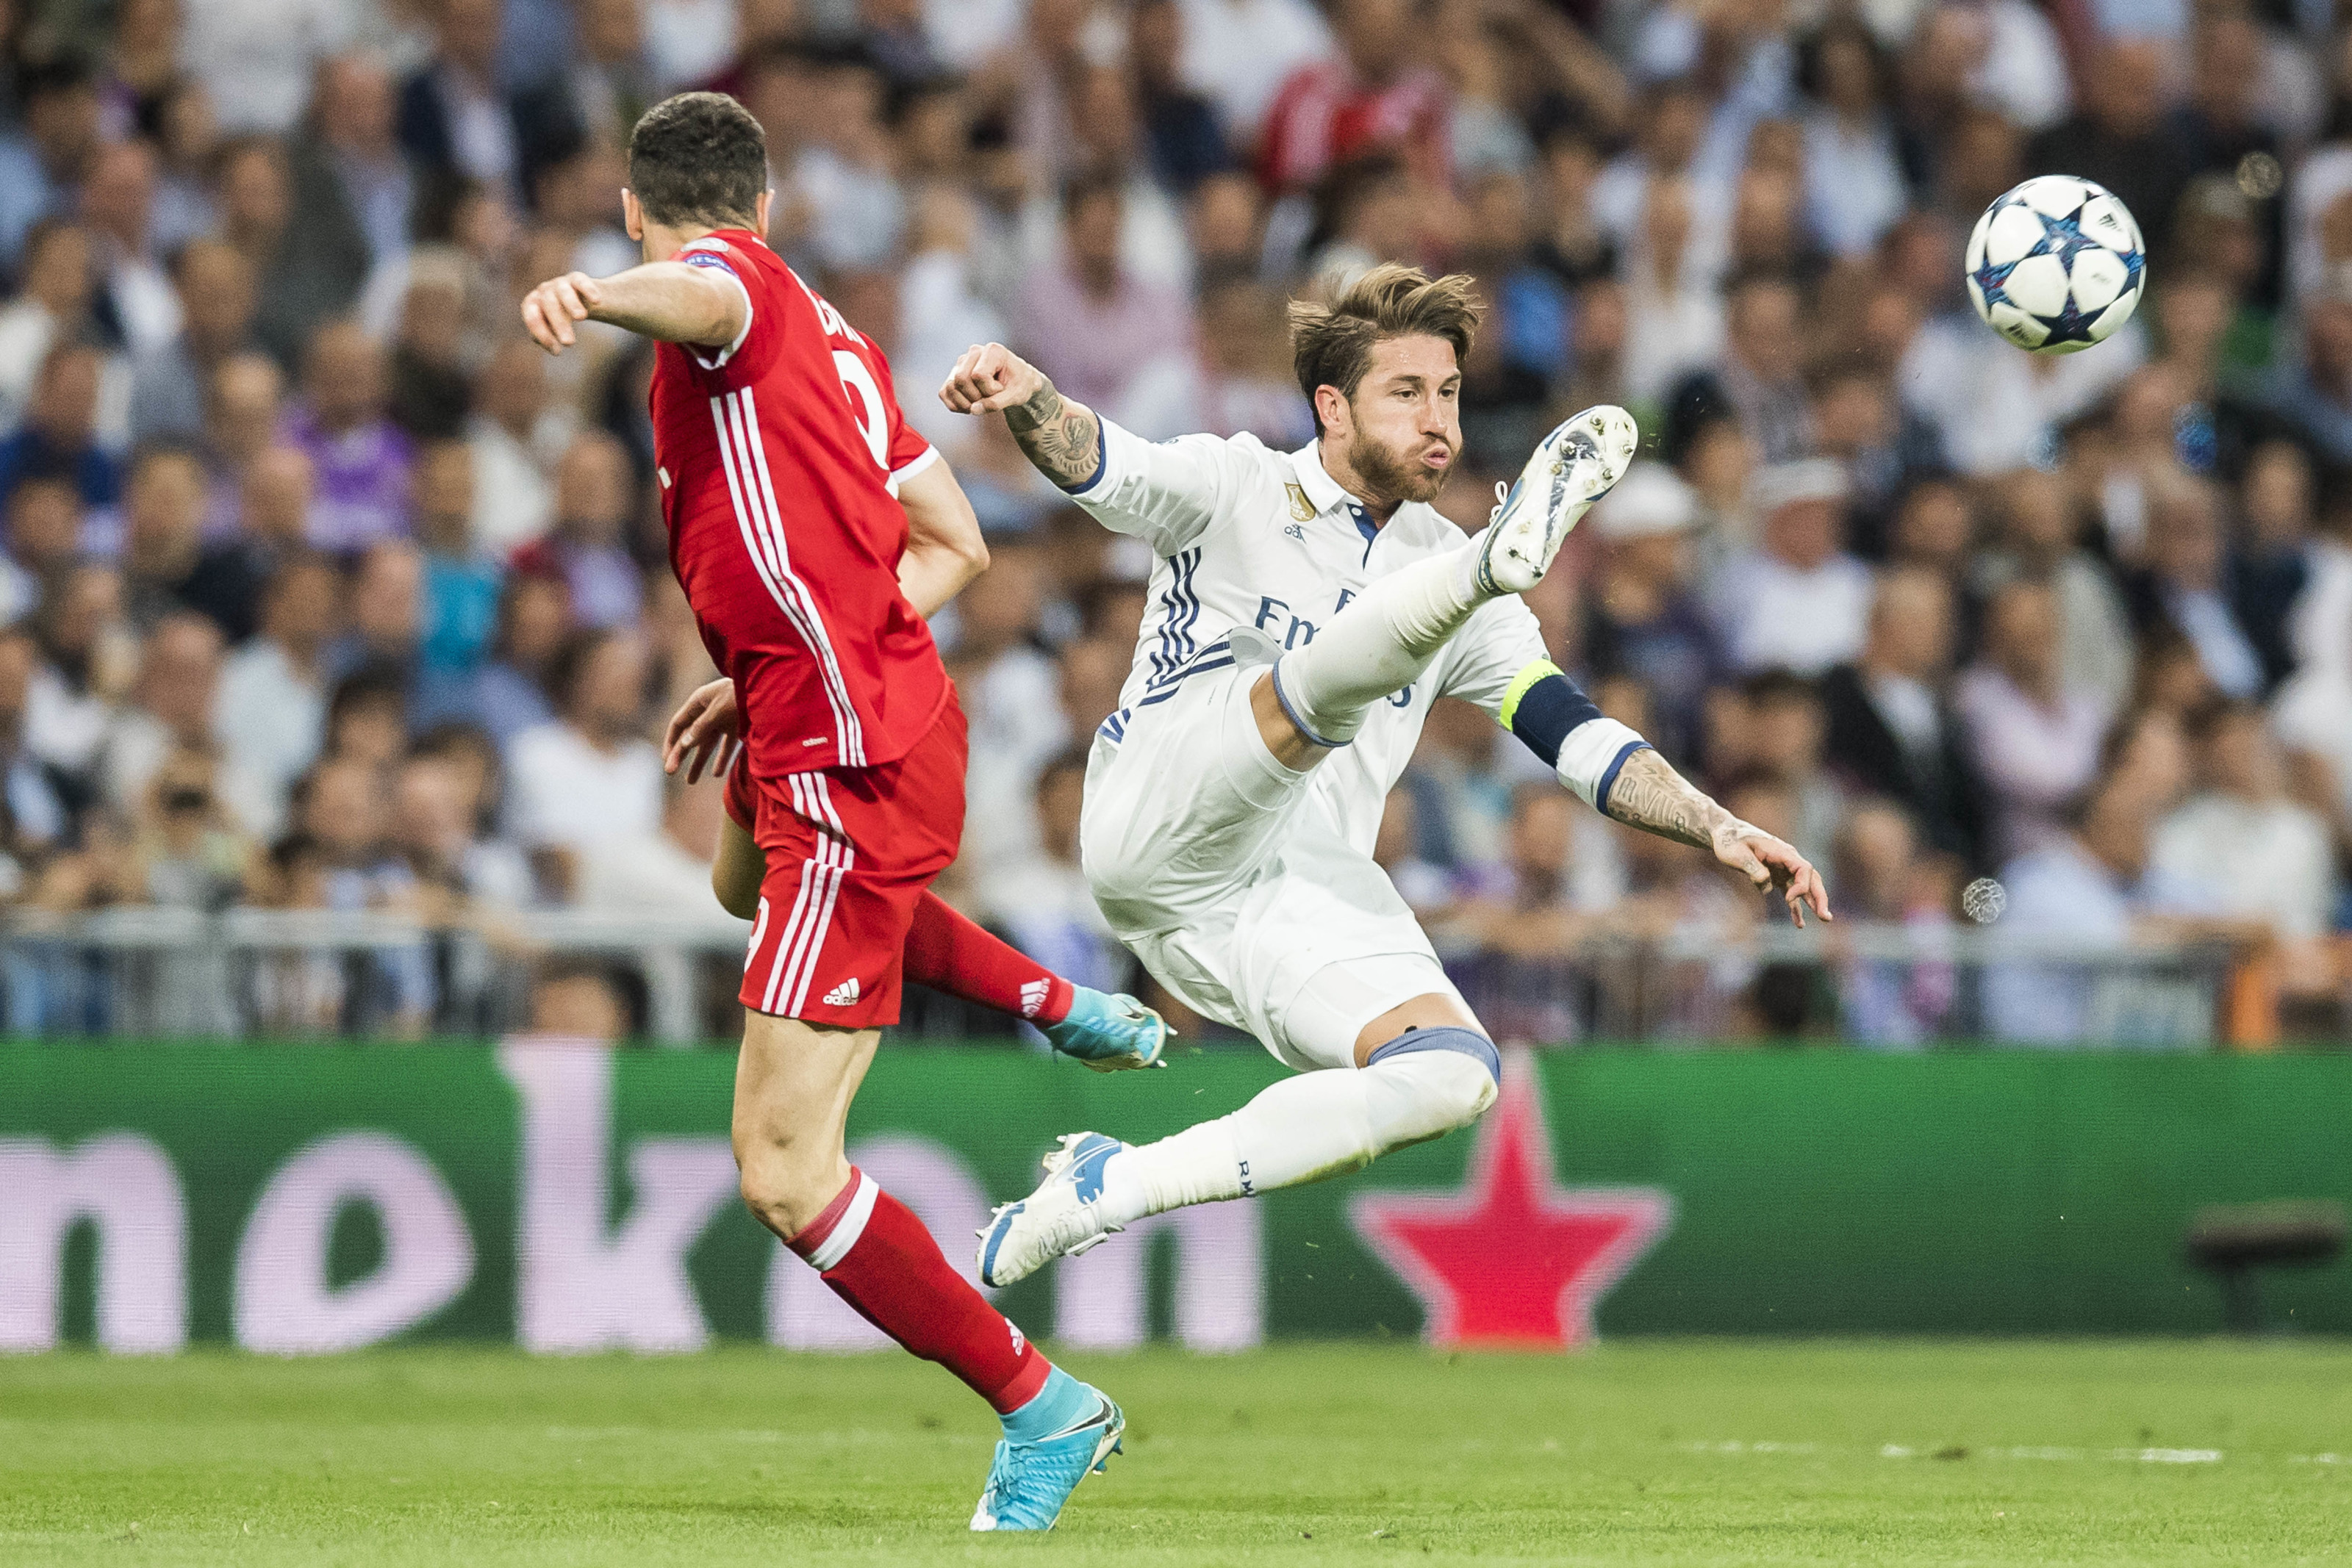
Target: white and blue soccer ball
{"points": [[2056, 265]]}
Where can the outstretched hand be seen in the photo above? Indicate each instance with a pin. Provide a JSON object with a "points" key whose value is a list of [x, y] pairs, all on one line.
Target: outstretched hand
{"points": [[1771, 864], [703, 732], [989, 377]]}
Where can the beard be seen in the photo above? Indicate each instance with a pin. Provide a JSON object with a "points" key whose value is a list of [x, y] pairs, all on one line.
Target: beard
{"points": [[1394, 476]]}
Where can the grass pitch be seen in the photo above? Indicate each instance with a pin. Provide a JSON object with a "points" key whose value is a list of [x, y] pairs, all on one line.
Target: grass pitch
{"points": [[1640, 1452]]}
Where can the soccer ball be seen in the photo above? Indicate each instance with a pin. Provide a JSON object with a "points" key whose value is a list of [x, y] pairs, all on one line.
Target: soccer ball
{"points": [[2056, 265]]}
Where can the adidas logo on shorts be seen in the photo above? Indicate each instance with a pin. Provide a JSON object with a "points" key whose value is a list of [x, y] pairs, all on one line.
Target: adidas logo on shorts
{"points": [[842, 995]]}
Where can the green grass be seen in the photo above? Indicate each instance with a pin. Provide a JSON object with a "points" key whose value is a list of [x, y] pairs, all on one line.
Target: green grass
{"points": [[1690, 1452]]}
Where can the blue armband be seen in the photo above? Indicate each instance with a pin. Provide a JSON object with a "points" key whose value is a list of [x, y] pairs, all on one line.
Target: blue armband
{"points": [[1559, 724]]}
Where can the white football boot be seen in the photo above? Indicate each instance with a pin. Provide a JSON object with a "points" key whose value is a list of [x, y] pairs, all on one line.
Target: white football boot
{"points": [[1571, 468], [1061, 1219]]}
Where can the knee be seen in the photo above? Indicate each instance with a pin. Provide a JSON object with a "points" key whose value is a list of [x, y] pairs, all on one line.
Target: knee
{"points": [[1460, 1088], [783, 1191], [1454, 1075]]}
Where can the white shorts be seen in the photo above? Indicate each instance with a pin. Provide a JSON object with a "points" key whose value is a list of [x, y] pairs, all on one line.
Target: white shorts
{"points": [[1223, 872]]}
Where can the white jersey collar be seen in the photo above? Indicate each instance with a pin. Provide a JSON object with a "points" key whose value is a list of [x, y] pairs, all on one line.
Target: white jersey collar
{"points": [[1323, 492]]}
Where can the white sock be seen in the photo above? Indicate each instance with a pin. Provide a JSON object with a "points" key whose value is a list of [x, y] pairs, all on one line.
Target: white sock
{"points": [[1300, 1130], [1382, 641]]}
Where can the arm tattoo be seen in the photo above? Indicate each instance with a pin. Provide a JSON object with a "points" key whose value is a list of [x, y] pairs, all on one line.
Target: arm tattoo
{"points": [[1063, 438], [1653, 797]]}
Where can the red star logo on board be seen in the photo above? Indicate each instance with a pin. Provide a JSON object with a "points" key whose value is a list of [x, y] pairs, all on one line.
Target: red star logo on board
{"points": [[1512, 1261]]}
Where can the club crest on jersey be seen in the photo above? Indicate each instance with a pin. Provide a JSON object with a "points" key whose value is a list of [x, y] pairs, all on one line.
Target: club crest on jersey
{"points": [[1300, 506]]}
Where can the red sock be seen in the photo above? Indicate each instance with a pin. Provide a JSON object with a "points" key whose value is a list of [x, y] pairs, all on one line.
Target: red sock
{"points": [[950, 954], [881, 1260]]}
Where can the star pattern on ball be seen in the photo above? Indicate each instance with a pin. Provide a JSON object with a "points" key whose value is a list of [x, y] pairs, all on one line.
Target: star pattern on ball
{"points": [[2063, 237]]}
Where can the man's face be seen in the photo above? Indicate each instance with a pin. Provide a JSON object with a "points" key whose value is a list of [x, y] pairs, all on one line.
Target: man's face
{"points": [[592, 489], [216, 292], [1402, 429], [1764, 330], [65, 406], [355, 112], [1094, 231], [164, 507], [444, 496], [344, 377], [611, 689], [1804, 533]]}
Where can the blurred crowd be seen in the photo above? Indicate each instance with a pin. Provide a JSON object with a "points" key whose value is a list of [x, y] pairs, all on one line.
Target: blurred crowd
{"points": [[323, 588]]}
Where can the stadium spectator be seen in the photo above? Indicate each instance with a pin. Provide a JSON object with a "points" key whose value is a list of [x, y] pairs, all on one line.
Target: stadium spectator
{"points": [[1891, 733], [2122, 137], [2184, 585], [593, 493], [2249, 850], [44, 521], [351, 193], [2084, 887], [46, 153], [362, 460], [589, 775], [58, 280], [1184, 140], [2034, 738], [216, 292], [461, 582], [60, 436], [166, 565], [515, 434], [1796, 601], [1891, 1004], [1640, 615], [1008, 686], [173, 707], [2037, 539], [455, 116], [135, 297], [1376, 95], [382, 615], [435, 829], [87, 659], [35, 816], [272, 712], [1094, 324]]}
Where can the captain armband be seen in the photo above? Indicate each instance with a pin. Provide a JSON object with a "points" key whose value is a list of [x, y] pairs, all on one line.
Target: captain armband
{"points": [[1559, 724]]}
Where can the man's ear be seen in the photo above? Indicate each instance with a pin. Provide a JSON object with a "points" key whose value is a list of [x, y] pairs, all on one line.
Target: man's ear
{"points": [[760, 213], [1331, 407], [633, 217]]}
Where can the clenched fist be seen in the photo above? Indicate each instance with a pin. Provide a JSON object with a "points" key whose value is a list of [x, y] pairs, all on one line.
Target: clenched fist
{"points": [[989, 377]]}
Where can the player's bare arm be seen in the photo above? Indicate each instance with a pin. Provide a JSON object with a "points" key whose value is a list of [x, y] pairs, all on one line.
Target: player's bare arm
{"points": [[1653, 797], [1062, 437], [944, 548], [668, 300]]}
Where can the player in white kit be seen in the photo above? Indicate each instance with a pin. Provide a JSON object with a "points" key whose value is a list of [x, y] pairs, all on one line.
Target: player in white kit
{"points": [[1305, 610]]}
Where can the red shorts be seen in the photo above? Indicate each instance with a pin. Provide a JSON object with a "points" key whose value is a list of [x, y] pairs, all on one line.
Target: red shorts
{"points": [[849, 852]]}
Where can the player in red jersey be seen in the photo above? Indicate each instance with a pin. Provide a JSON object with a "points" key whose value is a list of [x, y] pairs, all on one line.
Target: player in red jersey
{"points": [[803, 517], [944, 950]]}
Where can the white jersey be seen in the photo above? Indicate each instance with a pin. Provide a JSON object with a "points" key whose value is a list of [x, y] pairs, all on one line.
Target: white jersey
{"points": [[1250, 538]]}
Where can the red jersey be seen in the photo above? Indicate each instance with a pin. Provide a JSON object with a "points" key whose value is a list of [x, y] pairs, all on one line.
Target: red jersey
{"points": [[780, 459], [1322, 115]]}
